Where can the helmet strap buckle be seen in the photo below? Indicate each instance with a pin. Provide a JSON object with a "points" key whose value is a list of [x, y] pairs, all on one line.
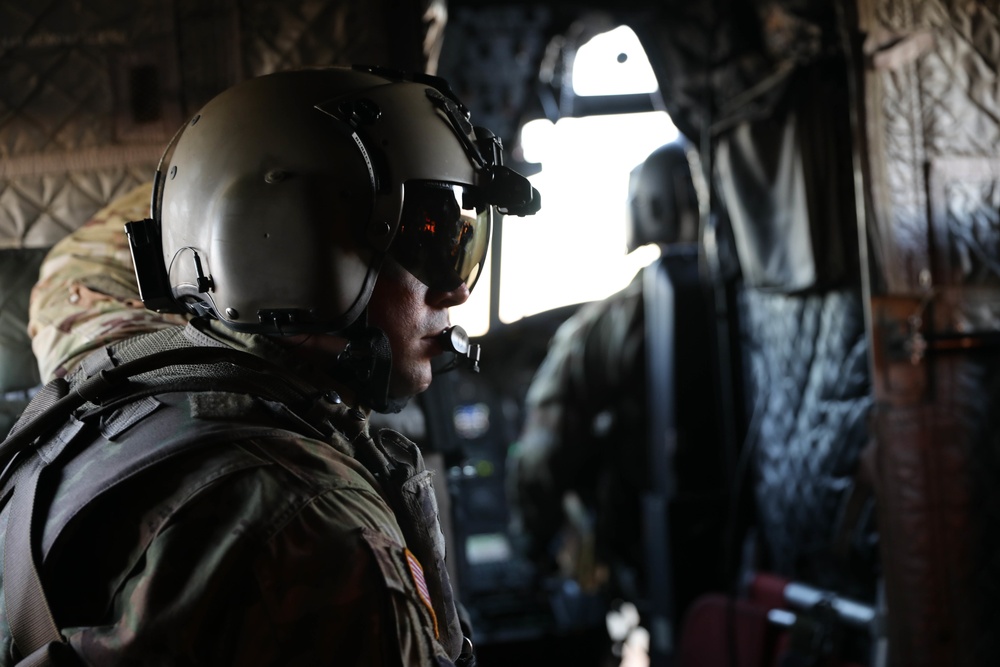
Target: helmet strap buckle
{"points": [[366, 364]]}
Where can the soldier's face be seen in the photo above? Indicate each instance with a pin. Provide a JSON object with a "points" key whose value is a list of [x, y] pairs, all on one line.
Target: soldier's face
{"points": [[411, 315]]}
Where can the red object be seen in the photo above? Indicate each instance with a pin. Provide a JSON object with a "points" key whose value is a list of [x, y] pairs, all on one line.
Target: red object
{"points": [[722, 631], [768, 590]]}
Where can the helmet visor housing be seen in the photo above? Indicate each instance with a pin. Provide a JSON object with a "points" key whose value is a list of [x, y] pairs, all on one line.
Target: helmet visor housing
{"points": [[443, 234]]}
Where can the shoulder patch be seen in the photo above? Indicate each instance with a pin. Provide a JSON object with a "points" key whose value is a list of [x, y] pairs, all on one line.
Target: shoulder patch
{"points": [[417, 573]]}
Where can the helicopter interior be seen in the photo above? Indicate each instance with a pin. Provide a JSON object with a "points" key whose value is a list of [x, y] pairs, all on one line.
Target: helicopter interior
{"points": [[848, 248]]}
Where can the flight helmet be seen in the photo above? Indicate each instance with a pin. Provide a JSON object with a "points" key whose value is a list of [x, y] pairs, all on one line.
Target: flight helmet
{"points": [[275, 205]]}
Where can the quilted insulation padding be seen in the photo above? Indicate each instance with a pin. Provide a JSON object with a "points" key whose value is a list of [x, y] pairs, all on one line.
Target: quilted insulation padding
{"points": [[80, 125], [934, 98], [90, 93], [38, 210], [490, 56], [807, 371]]}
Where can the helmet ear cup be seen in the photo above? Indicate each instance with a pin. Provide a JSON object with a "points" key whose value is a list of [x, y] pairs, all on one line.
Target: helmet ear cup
{"points": [[287, 251], [266, 204], [150, 272]]}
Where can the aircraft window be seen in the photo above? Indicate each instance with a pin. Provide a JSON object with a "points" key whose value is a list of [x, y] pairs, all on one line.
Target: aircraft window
{"points": [[613, 63], [573, 250]]}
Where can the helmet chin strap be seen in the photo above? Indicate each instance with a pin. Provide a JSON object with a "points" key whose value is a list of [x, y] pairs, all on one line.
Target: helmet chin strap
{"points": [[365, 364]]}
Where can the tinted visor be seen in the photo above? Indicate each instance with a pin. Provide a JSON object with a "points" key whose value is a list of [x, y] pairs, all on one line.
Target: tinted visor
{"points": [[443, 234]]}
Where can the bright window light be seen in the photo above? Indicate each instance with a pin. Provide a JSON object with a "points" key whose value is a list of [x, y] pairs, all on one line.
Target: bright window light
{"points": [[613, 63], [573, 250]]}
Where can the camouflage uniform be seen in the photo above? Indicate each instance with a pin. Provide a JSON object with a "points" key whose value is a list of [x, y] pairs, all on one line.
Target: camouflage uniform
{"points": [[586, 432], [86, 295], [267, 543]]}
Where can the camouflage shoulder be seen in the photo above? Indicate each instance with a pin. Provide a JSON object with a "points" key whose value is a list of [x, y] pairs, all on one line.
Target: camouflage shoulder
{"points": [[87, 296]]}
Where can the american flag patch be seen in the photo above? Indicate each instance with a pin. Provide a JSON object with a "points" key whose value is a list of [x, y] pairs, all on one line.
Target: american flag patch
{"points": [[417, 572]]}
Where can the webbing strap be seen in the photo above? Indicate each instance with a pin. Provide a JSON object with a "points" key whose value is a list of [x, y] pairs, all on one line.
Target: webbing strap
{"points": [[28, 613], [103, 386], [49, 394]]}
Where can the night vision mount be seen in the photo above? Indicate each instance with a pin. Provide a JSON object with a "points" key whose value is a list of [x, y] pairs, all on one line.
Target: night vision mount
{"points": [[504, 188], [509, 191]]}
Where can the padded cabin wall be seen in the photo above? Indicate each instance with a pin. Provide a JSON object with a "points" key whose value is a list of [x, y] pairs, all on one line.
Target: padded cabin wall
{"points": [[491, 57], [91, 93], [782, 166], [763, 87], [807, 373], [932, 126]]}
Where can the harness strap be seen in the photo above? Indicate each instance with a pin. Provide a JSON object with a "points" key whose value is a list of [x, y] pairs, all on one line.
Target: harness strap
{"points": [[28, 614], [30, 618], [103, 387], [31, 622]]}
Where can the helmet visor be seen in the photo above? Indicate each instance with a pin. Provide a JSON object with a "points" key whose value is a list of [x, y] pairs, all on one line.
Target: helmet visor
{"points": [[443, 234]]}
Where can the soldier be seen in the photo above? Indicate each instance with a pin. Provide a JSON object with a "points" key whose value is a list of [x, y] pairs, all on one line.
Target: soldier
{"points": [[582, 463], [209, 492]]}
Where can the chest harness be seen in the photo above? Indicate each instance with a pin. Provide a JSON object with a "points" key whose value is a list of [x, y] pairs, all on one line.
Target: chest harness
{"points": [[116, 380]]}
